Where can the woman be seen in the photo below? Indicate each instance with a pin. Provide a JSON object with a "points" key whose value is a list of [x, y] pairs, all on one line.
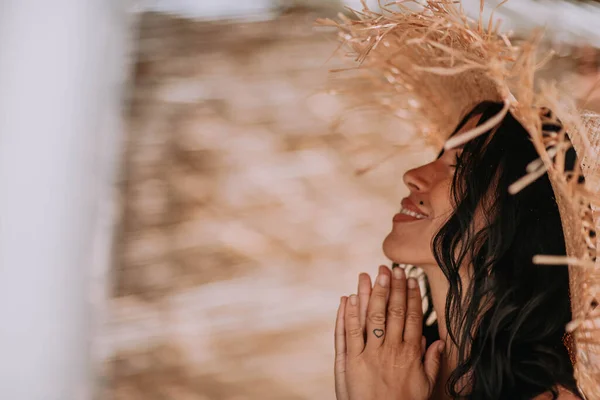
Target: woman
{"points": [[501, 319]]}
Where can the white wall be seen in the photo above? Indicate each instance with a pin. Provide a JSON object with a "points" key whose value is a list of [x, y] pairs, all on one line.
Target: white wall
{"points": [[564, 21], [61, 74], [247, 9], [211, 9], [567, 21]]}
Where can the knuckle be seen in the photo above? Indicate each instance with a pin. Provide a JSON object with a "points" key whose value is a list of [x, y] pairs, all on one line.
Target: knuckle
{"points": [[413, 317], [379, 293], [396, 312], [393, 350], [377, 318], [399, 289], [411, 351], [355, 332]]}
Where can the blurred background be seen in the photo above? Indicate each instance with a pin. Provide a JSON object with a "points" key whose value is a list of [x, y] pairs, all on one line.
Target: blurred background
{"points": [[184, 200]]}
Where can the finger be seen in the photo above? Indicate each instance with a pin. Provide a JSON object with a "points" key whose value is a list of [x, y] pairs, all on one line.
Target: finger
{"points": [[385, 270], [433, 360], [377, 310], [364, 293], [339, 368], [423, 346], [340, 333], [413, 328], [396, 310], [355, 342]]}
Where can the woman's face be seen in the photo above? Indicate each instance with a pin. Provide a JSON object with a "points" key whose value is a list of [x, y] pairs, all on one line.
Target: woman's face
{"points": [[411, 237]]}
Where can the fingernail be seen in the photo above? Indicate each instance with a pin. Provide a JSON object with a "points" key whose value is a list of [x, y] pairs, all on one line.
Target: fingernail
{"points": [[412, 283], [383, 280], [441, 347], [398, 273], [353, 299]]}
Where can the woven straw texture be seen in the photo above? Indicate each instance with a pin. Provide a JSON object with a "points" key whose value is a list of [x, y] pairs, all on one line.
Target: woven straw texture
{"points": [[430, 64]]}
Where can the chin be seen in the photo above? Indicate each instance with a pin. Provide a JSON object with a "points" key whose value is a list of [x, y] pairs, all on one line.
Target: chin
{"points": [[406, 250]]}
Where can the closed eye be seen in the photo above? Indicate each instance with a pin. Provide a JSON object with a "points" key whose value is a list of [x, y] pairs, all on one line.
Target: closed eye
{"points": [[456, 160]]}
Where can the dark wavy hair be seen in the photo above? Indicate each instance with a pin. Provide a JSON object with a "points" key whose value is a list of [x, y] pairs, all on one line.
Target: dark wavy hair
{"points": [[509, 323]]}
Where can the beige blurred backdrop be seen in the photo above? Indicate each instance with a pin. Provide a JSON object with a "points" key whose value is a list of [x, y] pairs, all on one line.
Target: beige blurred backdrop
{"points": [[242, 217]]}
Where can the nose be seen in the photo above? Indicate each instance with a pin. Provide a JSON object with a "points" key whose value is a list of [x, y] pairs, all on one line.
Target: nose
{"points": [[418, 180]]}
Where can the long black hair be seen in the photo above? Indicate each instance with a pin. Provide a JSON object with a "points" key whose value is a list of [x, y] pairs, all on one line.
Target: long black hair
{"points": [[509, 323]]}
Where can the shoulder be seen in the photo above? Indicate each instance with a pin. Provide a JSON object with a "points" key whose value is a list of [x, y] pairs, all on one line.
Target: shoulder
{"points": [[563, 394]]}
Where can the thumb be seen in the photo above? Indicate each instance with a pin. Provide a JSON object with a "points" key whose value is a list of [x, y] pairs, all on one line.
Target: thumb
{"points": [[433, 359]]}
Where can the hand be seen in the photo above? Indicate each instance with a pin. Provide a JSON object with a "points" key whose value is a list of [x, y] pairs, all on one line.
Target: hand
{"points": [[379, 344]]}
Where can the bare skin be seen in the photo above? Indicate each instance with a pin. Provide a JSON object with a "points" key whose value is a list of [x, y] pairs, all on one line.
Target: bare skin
{"points": [[379, 350], [379, 344], [386, 362]]}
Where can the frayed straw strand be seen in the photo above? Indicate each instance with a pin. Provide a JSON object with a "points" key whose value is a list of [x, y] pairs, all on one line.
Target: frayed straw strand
{"points": [[473, 133]]}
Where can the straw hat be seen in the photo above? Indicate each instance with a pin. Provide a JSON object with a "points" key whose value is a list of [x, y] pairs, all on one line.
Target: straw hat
{"points": [[431, 60]]}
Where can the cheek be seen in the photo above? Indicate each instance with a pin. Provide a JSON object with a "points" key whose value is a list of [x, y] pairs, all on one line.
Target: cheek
{"points": [[440, 203], [441, 208]]}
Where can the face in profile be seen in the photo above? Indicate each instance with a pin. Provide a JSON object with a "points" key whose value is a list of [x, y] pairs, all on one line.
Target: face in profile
{"points": [[425, 210]]}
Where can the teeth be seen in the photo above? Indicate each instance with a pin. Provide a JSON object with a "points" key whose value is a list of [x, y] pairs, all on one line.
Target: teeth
{"points": [[412, 213]]}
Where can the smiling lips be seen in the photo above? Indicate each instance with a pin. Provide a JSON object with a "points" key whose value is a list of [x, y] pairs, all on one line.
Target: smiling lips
{"points": [[408, 212]]}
